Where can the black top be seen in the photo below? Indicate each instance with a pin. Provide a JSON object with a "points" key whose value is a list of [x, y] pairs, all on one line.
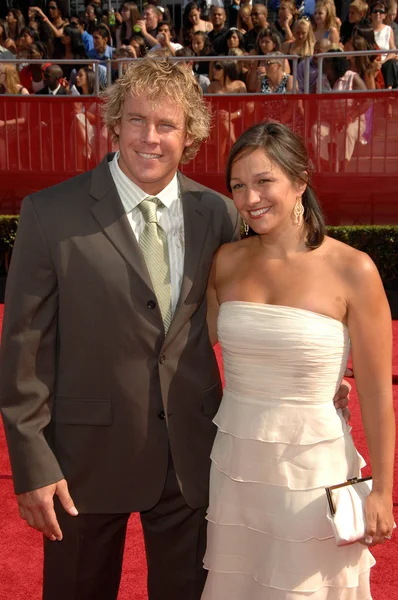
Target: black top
{"points": [[219, 41]]}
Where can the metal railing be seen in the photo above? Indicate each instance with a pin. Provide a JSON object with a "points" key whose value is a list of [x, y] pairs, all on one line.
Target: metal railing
{"points": [[118, 63]]}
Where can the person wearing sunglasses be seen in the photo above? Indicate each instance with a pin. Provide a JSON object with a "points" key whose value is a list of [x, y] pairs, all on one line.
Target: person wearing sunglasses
{"points": [[259, 16], [226, 79], [56, 19], [384, 37], [275, 80]]}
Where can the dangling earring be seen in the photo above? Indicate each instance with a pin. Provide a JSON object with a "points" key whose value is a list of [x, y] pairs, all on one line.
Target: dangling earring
{"points": [[298, 212], [245, 228]]}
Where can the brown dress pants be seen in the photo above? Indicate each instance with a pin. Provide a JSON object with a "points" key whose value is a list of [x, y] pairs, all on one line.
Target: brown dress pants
{"points": [[87, 564]]}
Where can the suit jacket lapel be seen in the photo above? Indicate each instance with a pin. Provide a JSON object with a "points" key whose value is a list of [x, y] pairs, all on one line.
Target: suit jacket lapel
{"points": [[110, 214], [196, 223]]}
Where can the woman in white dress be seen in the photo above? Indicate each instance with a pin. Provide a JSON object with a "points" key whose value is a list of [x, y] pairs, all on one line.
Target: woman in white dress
{"points": [[289, 300]]}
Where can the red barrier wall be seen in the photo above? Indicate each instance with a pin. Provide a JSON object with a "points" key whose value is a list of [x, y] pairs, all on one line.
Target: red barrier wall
{"points": [[46, 140]]}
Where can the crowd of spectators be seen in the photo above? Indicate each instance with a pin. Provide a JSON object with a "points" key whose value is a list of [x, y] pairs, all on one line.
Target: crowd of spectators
{"points": [[265, 30], [205, 29]]}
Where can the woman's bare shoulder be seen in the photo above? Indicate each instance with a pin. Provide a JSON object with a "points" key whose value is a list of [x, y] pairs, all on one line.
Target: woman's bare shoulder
{"points": [[354, 265], [228, 254]]}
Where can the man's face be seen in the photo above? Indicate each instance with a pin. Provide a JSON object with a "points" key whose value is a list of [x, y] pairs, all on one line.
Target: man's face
{"points": [[99, 42], [152, 139], [50, 79], [259, 16], [165, 30], [151, 17], [391, 14], [218, 17]]}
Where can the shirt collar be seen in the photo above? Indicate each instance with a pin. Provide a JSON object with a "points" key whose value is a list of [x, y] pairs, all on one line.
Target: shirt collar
{"points": [[131, 194], [54, 92]]}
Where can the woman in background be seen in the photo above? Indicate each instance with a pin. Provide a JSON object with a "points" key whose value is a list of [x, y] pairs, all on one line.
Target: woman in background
{"points": [[325, 21], [129, 14], [244, 20], [384, 37], [235, 39], [33, 74], [268, 42], [226, 79], [287, 15], [15, 23], [304, 40], [72, 48], [202, 46], [10, 80], [191, 23]]}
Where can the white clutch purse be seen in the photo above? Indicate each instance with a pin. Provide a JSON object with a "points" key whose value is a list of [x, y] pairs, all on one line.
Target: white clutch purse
{"points": [[346, 509]]}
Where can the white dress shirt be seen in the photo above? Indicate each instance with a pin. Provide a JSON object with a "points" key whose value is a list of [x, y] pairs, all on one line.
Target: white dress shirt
{"points": [[54, 92], [170, 218]]}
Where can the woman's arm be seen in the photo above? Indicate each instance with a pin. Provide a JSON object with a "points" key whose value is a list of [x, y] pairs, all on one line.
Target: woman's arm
{"points": [[369, 79], [58, 33], [369, 324], [252, 80], [334, 35], [212, 304]]}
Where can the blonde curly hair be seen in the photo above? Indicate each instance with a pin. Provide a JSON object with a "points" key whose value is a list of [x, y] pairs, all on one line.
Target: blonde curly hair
{"points": [[156, 78]]}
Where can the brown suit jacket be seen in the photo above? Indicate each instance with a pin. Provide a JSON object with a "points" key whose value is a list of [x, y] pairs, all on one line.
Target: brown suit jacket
{"points": [[90, 388]]}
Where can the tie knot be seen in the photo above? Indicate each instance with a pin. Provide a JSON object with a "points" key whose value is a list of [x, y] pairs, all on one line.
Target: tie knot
{"points": [[148, 207]]}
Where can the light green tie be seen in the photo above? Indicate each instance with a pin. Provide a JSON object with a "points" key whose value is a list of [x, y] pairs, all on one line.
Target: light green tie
{"points": [[153, 243]]}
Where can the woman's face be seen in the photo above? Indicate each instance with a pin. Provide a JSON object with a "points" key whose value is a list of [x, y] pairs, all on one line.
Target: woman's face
{"points": [[245, 16], [285, 11], [10, 18], [378, 15], [66, 40], [320, 15], [348, 47], [353, 15], [218, 71], [233, 41], [125, 13], [34, 54], [194, 16], [272, 69], [26, 39], [198, 44], [53, 10], [266, 45], [81, 78], [301, 32], [165, 31], [90, 14], [136, 47], [263, 194]]}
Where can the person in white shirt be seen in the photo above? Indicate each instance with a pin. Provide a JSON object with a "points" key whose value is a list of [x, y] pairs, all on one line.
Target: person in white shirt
{"points": [[164, 37]]}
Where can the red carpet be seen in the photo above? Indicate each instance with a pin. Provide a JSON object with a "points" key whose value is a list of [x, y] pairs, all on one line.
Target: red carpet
{"points": [[21, 551]]}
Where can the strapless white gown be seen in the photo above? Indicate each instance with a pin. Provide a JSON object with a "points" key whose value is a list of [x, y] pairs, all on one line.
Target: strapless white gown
{"points": [[280, 441]]}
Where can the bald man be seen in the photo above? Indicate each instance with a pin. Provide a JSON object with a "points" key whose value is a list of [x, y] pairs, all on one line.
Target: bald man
{"points": [[52, 82]]}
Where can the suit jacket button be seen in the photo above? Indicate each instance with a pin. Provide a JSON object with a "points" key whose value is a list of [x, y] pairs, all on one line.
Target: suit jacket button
{"points": [[161, 415], [151, 304], [162, 358]]}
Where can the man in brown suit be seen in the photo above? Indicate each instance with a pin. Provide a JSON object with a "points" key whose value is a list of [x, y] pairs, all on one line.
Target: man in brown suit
{"points": [[108, 388]]}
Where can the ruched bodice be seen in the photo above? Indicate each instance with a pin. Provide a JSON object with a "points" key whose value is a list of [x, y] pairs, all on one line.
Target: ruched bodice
{"points": [[280, 441]]}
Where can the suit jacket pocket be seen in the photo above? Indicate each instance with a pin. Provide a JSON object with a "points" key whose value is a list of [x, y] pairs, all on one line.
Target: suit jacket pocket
{"points": [[71, 411], [211, 399]]}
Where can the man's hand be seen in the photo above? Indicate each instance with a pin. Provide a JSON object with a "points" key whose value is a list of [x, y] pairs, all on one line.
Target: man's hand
{"points": [[37, 508], [342, 397], [142, 23]]}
